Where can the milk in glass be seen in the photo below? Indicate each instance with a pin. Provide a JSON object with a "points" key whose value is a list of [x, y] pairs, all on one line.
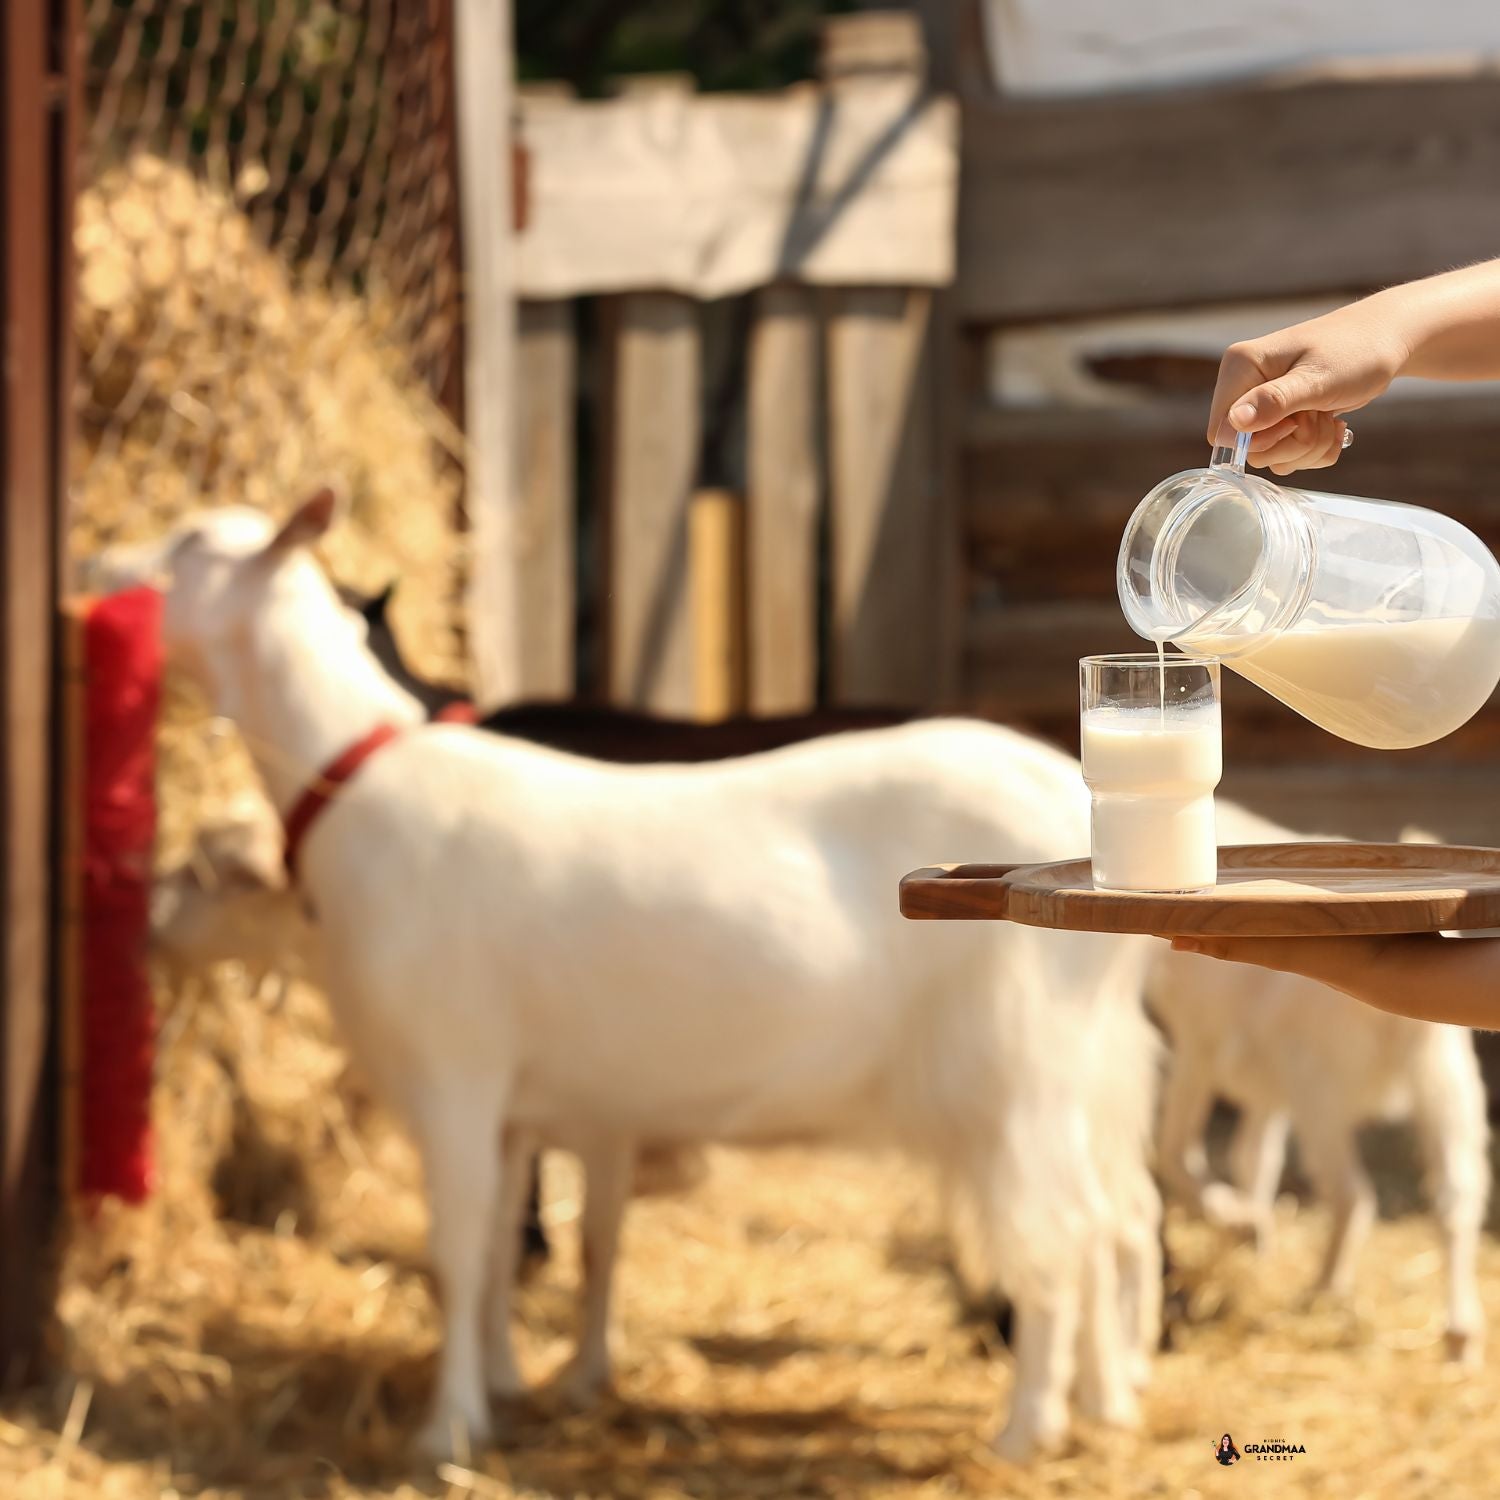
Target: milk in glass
{"points": [[1152, 771]]}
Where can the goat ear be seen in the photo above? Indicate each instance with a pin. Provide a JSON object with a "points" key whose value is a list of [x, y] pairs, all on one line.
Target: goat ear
{"points": [[310, 521]]}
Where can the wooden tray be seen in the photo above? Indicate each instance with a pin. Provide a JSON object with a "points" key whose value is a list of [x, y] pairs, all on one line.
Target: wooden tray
{"points": [[1264, 890]]}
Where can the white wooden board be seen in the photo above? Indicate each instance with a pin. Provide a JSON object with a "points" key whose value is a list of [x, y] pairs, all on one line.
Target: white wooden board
{"points": [[711, 195]]}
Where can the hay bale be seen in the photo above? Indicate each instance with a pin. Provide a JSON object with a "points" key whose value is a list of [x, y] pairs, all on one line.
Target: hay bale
{"points": [[211, 370]]}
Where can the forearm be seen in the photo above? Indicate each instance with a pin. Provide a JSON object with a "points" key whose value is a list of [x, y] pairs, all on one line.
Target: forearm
{"points": [[1427, 978], [1431, 979], [1291, 389], [1450, 322]]}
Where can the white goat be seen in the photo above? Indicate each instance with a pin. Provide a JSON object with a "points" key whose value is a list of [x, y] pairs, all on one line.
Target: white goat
{"points": [[1297, 1055], [230, 902], [524, 949]]}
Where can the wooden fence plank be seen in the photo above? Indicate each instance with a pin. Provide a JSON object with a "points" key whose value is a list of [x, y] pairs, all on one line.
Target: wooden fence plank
{"points": [[38, 56], [784, 479], [653, 424], [872, 42], [883, 477], [1074, 206], [957, 60], [545, 531], [717, 566], [484, 66], [950, 577]]}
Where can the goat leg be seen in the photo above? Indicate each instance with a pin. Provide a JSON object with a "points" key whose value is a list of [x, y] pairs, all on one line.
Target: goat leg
{"points": [[456, 1130], [518, 1158], [609, 1172], [1046, 1339]]}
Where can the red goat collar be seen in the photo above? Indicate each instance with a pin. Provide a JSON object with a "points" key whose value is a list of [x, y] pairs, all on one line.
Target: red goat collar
{"points": [[324, 787], [457, 712]]}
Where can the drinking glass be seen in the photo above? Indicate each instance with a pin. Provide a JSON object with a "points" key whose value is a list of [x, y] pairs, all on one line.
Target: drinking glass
{"points": [[1152, 757]]}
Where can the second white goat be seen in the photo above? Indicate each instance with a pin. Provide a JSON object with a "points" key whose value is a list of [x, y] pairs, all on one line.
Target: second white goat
{"points": [[1298, 1057]]}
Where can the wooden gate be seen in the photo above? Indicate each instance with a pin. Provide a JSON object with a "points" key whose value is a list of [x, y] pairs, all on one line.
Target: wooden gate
{"points": [[818, 564]]}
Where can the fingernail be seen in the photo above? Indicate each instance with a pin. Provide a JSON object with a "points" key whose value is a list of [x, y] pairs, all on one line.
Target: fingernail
{"points": [[1186, 945], [1243, 413]]}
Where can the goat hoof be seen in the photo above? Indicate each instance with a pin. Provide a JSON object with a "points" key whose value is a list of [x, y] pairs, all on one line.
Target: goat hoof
{"points": [[1021, 1440], [452, 1433], [1117, 1409], [1466, 1350], [579, 1384], [1336, 1296], [1228, 1208], [1106, 1396]]}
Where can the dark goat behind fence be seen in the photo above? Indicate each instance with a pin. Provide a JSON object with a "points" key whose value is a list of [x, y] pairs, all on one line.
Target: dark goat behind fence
{"points": [[620, 735]]}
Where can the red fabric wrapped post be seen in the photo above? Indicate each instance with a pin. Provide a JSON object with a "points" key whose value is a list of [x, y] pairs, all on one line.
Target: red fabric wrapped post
{"points": [[114, 1018]]}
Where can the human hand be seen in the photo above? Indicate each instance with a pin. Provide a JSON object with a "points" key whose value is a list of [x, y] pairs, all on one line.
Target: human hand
{"points": [[1288, 387], [1326, 959], [1422, 975]]}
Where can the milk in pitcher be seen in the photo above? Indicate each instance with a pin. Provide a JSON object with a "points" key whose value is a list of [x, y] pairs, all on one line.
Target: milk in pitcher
{"points": [[1391, 685]]}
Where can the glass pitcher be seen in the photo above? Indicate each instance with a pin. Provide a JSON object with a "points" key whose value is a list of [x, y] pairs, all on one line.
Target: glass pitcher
{"points": [[1380, 622]]}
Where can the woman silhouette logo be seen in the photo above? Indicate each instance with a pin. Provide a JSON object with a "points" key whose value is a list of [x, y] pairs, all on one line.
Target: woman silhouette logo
{"points": [[1225, 1451]]}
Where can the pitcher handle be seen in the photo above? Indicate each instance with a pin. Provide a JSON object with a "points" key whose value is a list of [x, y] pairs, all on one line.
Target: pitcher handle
{"points": [[1233, 459]]}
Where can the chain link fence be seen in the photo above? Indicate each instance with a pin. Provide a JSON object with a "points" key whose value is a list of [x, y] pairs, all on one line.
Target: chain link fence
{"points": [[267, 281]]}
